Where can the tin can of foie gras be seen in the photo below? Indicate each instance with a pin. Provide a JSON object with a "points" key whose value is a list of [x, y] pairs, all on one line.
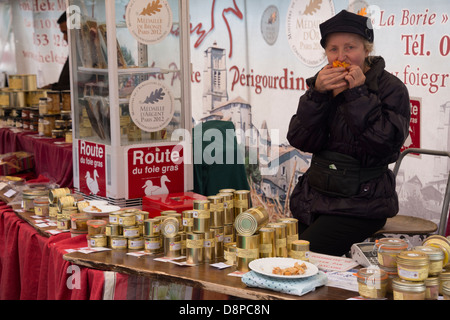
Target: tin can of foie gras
{"points": [[152, 228], [97, 241], [57, 193], [241, 201], [228, 208], [170, 227], [247, 250], [280, 239], [291, 231], [229, 233], [172, 246], [230, 253], [267, 242], [219, 236], [188, 220], [195, 248], [153, 245], [202, 216], [250, 221]]}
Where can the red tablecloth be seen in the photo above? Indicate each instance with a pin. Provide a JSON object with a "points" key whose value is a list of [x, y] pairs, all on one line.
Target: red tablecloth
{"points": [[32, 266], [53, 160]]}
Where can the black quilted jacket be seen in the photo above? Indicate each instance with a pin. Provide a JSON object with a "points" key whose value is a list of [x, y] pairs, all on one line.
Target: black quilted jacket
{"points": [[369, 123]]}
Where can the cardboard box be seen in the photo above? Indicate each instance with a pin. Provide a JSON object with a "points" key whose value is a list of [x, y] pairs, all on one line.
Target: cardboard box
{"points": [[173, 201], [15, 162]]}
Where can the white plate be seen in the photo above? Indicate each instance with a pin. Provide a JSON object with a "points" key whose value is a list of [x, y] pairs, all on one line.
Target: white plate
{"points": [[101, 209], [265, 266]]}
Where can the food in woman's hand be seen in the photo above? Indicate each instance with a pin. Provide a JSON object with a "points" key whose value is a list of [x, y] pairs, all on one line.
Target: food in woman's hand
{"points": [[297, 269], [338, 64]]}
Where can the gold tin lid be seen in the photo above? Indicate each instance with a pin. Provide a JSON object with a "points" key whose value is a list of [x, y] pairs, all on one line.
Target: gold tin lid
{"points": [[434, 253], [170, 227], [300, 245], [227, 191], [167, 212], [439, 242], [216, 203], [201, 204], [413, 258], [409, 286]]}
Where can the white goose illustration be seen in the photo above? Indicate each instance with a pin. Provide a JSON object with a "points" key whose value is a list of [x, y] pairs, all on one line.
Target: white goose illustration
{"points": [[92, 184], [150, 189]]}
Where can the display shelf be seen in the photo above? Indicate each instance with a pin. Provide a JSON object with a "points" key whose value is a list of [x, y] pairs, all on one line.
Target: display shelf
{"points": [[130, 92]]}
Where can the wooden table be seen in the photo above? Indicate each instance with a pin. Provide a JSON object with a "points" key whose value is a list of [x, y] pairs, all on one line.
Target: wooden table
{"points": [[202, 276]]}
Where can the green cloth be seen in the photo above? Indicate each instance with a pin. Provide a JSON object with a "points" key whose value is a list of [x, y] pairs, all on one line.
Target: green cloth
{"points": [[218, 162]]}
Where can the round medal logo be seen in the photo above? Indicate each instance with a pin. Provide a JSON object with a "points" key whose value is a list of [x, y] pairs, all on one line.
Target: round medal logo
{"points": [[270, 25], [149, 21], [152, 106], [302, 28]]}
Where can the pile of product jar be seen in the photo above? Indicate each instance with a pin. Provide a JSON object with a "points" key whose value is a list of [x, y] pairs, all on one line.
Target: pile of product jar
{"points": [[417, 273]]}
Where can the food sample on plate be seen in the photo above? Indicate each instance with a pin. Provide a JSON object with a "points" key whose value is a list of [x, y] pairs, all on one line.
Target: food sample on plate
{"points": [[337, 64], [297, 269], [94, 208]]}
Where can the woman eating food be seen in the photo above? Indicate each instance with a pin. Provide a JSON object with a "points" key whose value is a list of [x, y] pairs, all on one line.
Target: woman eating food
{"points": [[353, 119]]}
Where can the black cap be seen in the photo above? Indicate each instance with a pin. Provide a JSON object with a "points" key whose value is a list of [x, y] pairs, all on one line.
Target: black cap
{"points": [[349, 22]]}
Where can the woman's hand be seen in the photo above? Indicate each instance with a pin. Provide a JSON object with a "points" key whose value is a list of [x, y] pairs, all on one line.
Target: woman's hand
{"points": [[332, 79], [355, 77]]}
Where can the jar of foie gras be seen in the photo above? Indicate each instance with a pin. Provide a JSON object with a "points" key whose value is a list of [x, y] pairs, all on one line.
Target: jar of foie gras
{"points": [[436, 256], [413, 265], [388, 250], [408, 290], [372, 283], [432, 285], [446, 290]]}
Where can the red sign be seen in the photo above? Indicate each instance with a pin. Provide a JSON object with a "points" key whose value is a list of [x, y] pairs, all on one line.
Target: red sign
{"points": [[92, 167], [155, 170], [413, 140]]}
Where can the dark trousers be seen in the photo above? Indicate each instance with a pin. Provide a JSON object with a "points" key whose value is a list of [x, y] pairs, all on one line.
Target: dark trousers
{"points": [[334, 235]]}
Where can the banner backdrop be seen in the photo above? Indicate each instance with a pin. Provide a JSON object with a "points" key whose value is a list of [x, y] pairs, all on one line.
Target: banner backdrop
{"points": [[252, 58], [40, 47]]}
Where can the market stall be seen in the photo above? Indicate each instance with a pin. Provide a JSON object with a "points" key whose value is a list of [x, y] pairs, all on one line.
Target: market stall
{"points": [[83, 249]]}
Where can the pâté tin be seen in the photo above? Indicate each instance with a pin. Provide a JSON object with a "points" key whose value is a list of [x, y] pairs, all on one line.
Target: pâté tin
{"points": [[97, 241]]}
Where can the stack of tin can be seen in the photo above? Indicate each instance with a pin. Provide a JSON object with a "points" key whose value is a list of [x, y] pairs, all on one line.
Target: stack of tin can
{"points": [[18, 100], [258, 238], [24, 106], [125, 229]]}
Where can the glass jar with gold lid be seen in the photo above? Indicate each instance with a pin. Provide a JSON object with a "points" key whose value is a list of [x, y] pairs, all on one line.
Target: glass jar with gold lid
{"points": [[408, 290], [443, 278], [436, 256], [372, 283], [388, 249], [413, 265]]}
